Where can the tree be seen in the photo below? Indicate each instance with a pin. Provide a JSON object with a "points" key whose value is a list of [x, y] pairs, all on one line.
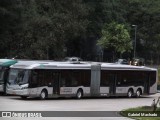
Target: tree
{"points": [[115, 36], [9, 26], [52, 29], [146, 15], [48, 27]]}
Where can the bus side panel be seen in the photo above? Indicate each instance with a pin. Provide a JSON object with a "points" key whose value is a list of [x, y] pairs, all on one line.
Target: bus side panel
{"points": [[104, 91], [33, 92], [122, 90], [73, 90]]}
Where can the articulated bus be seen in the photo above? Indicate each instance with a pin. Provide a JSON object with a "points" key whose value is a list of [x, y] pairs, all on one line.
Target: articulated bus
{"points": [[67, 79], [4, 70]]}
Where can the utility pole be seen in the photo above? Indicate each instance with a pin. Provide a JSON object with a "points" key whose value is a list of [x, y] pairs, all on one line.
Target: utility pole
{"points": [[135, 40]]}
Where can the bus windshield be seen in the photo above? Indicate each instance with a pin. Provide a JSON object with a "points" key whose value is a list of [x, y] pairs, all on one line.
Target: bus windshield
{"points": [[18, 76]]}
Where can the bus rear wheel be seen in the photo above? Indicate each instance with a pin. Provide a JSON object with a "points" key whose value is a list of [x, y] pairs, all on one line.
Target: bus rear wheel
{"points": [[43, 95], [138, 93], [79, 94], [130, 93]]}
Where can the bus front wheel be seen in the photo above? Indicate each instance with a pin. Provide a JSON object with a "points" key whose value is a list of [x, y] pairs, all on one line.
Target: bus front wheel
{"points": [[43, 95], [79, 94]]}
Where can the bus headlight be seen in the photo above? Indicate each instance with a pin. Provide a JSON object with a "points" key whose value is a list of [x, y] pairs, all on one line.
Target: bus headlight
{"points": [[25, 86]]}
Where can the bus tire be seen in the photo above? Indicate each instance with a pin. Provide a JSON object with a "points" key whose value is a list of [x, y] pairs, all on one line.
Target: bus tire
{"points": [[43, 94], [79, 94], [138, 93], [24, 97], [130, 93]]}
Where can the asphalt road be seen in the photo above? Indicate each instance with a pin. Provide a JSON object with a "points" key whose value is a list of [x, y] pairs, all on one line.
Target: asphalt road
{"points": [[15, 103]]}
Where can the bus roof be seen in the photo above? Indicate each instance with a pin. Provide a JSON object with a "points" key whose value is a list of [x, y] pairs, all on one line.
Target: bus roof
{"points": [[115, 66], [76, 65], [7, 62]]}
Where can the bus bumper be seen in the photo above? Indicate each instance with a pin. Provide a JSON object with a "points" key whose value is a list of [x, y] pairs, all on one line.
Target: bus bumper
{"points": [[24, 92]]}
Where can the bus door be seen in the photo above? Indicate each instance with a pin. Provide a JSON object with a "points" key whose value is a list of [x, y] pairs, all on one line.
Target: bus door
{"points": [[112, 84], [6, 73], [1, 79], [147, 84], [56, 84]]}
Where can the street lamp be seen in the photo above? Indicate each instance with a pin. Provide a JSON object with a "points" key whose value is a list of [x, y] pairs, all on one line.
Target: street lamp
{"points": [[135, 26]]}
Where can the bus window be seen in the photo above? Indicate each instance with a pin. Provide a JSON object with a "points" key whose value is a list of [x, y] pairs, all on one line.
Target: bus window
{"points": [[12, 76], [24, 76], [34, 77], [152, 78], [19, 77], [104, 78], [66, 78], [70, 78], [76, 78], [86, 78], [48, 78], [40, 78], [63, 82], [124, 79]]}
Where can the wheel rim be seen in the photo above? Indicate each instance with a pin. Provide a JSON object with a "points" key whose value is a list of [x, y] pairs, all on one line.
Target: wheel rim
{"points": [[43, 95], [130, 94], [79, 94], [138, 93]]}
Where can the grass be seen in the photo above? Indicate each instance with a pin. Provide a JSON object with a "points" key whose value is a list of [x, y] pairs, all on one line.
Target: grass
{"points": [[140, 112]]}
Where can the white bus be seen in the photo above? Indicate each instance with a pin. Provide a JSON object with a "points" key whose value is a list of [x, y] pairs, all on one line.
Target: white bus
{"points": [[4, 70], [67, 79]]}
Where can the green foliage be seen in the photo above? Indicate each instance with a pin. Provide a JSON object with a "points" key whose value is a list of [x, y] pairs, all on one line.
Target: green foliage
{"points": [[145, 14], [44, 27], [115, 36], [52, 29]]}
